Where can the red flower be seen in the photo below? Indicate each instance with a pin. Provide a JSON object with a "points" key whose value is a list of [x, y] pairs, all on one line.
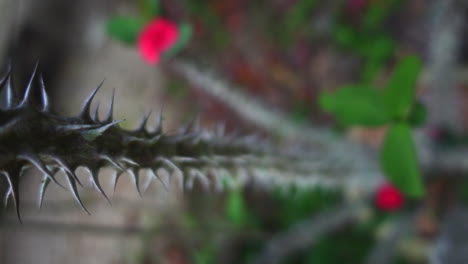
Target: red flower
{"points": [[155, 38], [389, 198]]}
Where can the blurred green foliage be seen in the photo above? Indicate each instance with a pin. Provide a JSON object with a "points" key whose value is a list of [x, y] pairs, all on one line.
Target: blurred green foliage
{"points": [[185, 35], [369, 37], [125, 29], [359, 104], [417, 115], [400, 91], [296, 204], [356, 105], [291, 206], [236, 208], [395, 106], [399, 160]]}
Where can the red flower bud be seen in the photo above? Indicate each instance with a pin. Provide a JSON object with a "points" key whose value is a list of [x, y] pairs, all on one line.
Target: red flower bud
{"points": [[389, 198], [155, 38]]}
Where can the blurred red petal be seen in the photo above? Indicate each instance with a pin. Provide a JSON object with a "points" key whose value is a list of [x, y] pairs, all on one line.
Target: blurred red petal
{"points": [[156, 37], [389, 198]]}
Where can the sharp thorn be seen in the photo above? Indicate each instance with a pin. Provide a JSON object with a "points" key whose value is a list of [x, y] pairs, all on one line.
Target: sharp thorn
{"points": [[44, 96], [43, 188], [74, 191], [136, 180], [160, 180], [96, 114], [168, 163], [77, 127], [202, 179], [159, 119], [10, 95], [154, 139], [95, 179], [32, 158], [92, 134], [111, 161], [85, 114], [28, 93], [116, 179], [130, 161], [144, 121], [13, 181], [110, 113], [103, 128], [64, 165], [6, 198]]}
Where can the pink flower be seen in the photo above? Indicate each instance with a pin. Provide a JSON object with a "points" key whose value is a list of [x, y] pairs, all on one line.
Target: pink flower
{"points": [[389, 198], [157, 37]]}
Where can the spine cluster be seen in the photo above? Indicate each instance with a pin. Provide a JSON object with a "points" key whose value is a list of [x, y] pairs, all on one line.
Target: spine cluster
{"points": [[32, 136]]}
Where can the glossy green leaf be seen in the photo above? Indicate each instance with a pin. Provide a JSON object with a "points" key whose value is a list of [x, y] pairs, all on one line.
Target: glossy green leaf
{"points": [[400, 91], [355, 105], [125, 29], [399, 160], [185, 35]]}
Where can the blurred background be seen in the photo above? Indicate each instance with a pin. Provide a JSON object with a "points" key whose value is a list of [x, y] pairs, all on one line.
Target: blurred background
{"points": [[282, 53]]}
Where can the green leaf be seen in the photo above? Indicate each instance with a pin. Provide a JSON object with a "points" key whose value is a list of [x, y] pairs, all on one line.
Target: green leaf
{"points": [[125, 29], [236, 208], [417, 115], [185, 35], [399, 161], [355, 105], [400, 91]]}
